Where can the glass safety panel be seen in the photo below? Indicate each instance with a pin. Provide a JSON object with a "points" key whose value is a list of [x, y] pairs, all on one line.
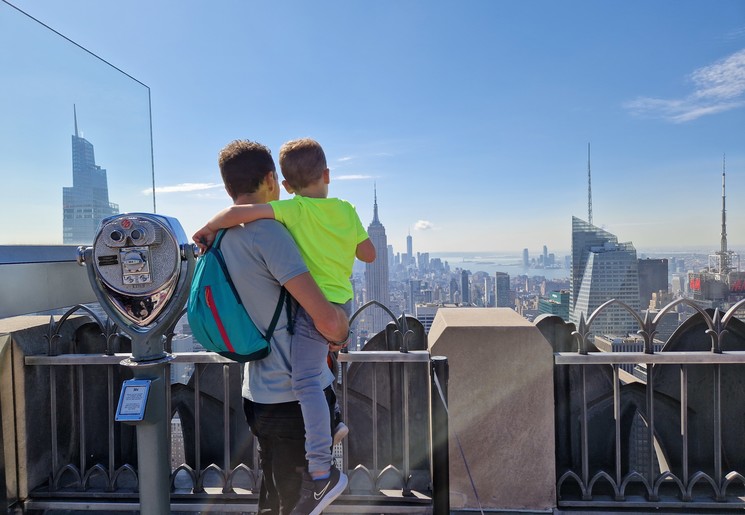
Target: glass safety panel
{"points": [[75, 138]]}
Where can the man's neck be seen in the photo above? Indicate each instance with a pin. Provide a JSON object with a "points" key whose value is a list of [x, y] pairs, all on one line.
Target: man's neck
{"points": [[251, 198]]}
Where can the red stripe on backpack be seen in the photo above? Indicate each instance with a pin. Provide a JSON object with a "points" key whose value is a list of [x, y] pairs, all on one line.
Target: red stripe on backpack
{"points": [[216, 315]]}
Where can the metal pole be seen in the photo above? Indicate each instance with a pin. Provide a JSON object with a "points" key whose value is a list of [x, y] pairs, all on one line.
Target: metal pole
{"points": [[439, 429], [153, 467]]}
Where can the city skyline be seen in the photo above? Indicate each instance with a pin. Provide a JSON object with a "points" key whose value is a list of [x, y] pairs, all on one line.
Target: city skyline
{"points": [[474, 125]]}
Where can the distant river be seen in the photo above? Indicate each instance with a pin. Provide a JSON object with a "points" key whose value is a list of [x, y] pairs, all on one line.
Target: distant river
{"points": [[508, 263]]}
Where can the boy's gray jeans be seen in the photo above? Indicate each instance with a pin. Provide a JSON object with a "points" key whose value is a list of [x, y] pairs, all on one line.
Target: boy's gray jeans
{"points": [[310, 375]]}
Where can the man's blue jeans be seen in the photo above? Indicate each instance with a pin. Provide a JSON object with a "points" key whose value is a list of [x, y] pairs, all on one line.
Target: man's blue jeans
{"points": [[280, 431]]}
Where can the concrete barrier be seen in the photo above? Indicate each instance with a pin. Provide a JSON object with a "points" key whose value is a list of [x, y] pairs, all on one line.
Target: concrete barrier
{"points": [[501, 405]]}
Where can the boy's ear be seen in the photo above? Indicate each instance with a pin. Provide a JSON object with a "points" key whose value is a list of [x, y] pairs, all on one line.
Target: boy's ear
{"points": [[230, 193], [289, 189], [326, 176]]}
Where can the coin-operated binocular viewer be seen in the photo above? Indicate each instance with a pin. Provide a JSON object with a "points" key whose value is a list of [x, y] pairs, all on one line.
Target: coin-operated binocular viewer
{"points": [[140, 267]]}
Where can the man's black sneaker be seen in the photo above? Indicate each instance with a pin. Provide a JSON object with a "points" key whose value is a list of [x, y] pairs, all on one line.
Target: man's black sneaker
{"points": [[316, 495]]}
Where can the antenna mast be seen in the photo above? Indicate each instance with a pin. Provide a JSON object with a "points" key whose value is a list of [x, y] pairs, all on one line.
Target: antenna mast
{"points": [[375, 205], [724, 212], [589, 187]]}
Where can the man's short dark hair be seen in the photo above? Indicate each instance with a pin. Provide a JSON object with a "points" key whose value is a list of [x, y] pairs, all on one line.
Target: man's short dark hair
{"points": [[244, 165]]}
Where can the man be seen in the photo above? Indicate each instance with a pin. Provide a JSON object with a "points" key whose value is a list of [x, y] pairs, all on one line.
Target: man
{"points": [[261, 257]]}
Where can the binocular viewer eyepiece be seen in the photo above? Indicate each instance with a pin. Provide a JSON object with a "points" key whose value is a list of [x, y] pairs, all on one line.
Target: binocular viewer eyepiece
{"points": [[139, 267]]}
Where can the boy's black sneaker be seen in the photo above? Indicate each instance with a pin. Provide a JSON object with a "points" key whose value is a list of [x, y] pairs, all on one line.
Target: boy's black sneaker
{"points": [[340, 432], [316, 495]]}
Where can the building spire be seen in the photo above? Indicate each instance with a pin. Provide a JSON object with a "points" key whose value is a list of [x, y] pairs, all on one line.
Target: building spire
{"points": [[75, 116], [724, 211], [589, 187], [375, 205]]}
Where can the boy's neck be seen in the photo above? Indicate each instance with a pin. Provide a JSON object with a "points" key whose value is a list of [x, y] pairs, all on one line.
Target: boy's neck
{"points": [[316, 190]]}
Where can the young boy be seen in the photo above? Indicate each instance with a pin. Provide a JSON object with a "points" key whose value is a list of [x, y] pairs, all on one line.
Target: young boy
{"points": [[330, 235]]}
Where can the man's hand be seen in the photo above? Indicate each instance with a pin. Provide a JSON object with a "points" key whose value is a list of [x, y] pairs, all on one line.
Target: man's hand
{"points": [[333, 347], [334, 327]]}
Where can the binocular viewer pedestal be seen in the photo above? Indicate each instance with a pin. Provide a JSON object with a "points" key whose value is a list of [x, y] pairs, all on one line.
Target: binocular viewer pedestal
{"points": [[140, 267]]}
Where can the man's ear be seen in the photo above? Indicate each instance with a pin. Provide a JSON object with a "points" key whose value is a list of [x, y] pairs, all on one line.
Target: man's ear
{"points": [[230, 193], [289, 189], [326, 176], [269, 179]]}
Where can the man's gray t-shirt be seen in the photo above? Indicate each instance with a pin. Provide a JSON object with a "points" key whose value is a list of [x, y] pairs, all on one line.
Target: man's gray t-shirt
{"points": [[260, 257]]}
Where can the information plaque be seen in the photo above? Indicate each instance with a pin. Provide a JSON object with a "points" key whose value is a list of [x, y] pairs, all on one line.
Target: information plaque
{"points": [[132, 400]]}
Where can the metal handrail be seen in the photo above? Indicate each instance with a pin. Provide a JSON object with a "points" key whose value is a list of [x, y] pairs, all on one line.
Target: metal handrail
{"points": [[666, 358], [205, 358]]}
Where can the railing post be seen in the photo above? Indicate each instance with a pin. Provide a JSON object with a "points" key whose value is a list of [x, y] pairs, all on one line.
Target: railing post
{"points": [[439, 428]]}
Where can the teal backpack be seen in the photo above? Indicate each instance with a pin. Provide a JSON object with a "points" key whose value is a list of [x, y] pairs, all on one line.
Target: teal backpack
{"points": [[216, 313]]}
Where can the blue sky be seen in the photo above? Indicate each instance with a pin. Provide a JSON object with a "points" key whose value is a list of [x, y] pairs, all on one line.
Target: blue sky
{"points": [[472, 118]]}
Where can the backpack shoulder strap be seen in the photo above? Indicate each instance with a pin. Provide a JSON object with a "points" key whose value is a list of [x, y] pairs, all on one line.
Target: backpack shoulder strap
{"points": [[283, 296], [217, 253], [218, 238]]}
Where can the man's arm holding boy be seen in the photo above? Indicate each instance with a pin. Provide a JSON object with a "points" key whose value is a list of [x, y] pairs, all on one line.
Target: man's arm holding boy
{"points": [[330, 319]]}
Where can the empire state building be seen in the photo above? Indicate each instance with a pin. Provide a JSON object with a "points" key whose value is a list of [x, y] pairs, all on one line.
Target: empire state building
{"points": [[376, 274]]}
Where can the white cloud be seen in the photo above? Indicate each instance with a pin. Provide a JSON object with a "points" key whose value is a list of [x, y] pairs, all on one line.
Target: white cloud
{"points": [[724, 79], [718, 87], [344, 159], [423, 225], [735, 34], [697, 112], [353, 177], [186, 187]]}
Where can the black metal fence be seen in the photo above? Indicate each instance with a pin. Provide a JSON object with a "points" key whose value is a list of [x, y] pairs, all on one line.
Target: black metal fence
{"points": [[669, 434], [91, 460]]}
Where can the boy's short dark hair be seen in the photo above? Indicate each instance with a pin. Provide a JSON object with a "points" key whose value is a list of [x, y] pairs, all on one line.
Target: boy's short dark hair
{"points": [[244, 165], [302, 162]]}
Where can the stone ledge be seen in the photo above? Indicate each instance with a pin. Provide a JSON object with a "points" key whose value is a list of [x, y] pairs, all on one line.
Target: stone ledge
{"points": [[501, 405]]}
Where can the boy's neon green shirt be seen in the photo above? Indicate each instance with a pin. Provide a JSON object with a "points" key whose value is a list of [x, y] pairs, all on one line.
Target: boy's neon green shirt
{"points": [[327, 232]]}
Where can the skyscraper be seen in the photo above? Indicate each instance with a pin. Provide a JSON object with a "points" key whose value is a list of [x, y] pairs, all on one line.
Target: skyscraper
{"points": [[86, 203], [454, 292], [722, 283], [376, 273], [465, 289], [652, 279], [603, 269], [415, 288], [502, 287], [409, 250], [557, 303]]}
